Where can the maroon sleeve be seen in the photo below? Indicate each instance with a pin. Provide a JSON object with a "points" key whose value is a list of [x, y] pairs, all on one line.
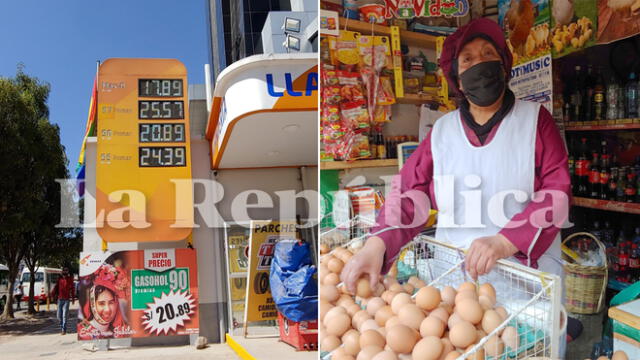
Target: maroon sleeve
{"points": [[539, 229], [409, 186]]}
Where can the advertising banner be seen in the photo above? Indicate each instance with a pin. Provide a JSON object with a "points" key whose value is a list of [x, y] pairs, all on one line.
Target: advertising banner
{"points": [[138, 293], [573, 25], [526, 27], [617, 19], [237, 246], [264, 235], [533, 81]]}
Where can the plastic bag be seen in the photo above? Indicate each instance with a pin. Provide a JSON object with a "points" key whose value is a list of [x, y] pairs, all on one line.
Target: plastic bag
{"points": [[293, 285]]}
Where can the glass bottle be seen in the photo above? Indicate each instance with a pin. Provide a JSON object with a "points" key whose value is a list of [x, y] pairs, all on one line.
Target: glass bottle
{"points": [[612, 99], [632, 96], [599, 103]]}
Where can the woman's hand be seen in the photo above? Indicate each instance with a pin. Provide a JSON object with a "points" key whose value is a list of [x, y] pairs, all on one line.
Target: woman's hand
{"points": [[485, 252], [367, 261]]}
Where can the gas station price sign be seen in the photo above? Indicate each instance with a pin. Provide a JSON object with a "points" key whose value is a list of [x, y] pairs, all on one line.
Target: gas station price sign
{"points": [[143, 145]]}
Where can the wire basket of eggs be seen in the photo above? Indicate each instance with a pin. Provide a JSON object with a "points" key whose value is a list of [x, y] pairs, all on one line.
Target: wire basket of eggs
{"points": [[428, 308]]}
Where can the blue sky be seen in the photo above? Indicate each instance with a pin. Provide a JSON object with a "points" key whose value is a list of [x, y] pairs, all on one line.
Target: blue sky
{"points": [[60, 41]]}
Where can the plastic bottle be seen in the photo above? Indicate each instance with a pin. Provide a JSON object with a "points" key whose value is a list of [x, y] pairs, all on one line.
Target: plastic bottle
{"points": [[632, 96], [612, 99]]}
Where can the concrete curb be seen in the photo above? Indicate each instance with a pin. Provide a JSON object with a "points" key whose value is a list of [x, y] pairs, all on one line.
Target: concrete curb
{"points": [[242, 352]]}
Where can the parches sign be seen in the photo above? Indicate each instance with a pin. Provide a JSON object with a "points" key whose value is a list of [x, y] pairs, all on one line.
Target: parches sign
{"points": [[138, 293]]}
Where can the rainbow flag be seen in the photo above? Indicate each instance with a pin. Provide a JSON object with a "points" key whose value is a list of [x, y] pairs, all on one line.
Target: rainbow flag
{"points": [[90, 129]]}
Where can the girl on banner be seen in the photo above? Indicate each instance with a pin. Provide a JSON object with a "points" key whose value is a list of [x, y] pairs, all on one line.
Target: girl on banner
{"points": [[102, 307]]}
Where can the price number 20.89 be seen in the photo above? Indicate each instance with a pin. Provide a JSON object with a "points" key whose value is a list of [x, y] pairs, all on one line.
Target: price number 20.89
{"points": [[168, 312]]}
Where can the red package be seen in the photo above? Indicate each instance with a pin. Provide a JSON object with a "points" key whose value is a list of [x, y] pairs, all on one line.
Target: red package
{"points": [[330, 114], [329, 76], [355, 115], [331, 94]]}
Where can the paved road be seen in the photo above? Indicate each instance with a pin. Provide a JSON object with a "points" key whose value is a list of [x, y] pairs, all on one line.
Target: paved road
{"points": [[38, 337]]}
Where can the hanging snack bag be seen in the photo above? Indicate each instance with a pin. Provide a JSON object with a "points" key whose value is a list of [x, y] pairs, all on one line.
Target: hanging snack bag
{"points": [[351, 86], [331, 95], [355, 115], [359, 147], [374, 52], [382, 114], [347, 47], [385, 92], [330, 114], [329, 76]]}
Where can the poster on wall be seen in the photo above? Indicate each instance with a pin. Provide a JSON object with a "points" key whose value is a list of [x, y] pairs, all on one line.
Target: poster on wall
{"points": [[573, 26], [237, 249], [264, 236], [533, 81], [617, 19], [138, 293], [526, 28]]}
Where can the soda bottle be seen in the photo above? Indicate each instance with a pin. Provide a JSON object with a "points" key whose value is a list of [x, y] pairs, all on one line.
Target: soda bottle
{"points": [[582, 167], [594, 177], [630, 189], [607, 234], [636, 238], [634, 263], [621, 185], [623, 261], [604, 177], [613, 178], [612, 99], [632, 96]]}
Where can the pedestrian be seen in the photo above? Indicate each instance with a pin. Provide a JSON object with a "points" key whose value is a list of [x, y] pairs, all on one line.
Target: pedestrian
{"points": [[63, 291], [18, 294], [494, 144]]}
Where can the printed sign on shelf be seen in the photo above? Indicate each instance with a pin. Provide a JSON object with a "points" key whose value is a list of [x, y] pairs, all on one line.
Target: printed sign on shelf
{"points": [[264, 236], [138, 293]]}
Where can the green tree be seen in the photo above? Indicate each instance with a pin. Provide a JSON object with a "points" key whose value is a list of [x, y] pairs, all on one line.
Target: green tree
{"points": [[31, 158]]}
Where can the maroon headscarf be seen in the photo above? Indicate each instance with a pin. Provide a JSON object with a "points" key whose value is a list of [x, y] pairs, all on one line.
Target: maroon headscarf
{"points": [[453, 44]]}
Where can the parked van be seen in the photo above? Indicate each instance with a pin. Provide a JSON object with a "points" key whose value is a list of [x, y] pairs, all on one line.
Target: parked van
{"points": [[46, 279], [4, 285]]}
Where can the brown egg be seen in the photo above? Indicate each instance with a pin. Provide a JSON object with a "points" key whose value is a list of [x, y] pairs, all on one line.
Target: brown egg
{"points": [[374, 305], [399, 300], [331, 279], [429, 348], [368, 325], [480, 333], [453, 355], [324, 248], [503, 312], [329, 343], [387, 296], [428, 298], [388, 281], [411, 315], [491, 320], [401, 339], [487, 289], [342, 356], [432, 326], [467, 286], [478, 355], [619, 355], [447, 347], [486, 302], [447, 307], [408, 288], [329, 293], [384, 314], [351, 342], [394, 320], [465, 294], [325, 259], [363, 287], [510, 337], [324, 307], [462, 334], [395, 287], [359, 317], [353, 309], [453, 320], [332, 312], [382, 331], [470, 310], [335, 265], [385, 355], [449, 295], [338, 324], [368, 352], [372, 337], [494, 346], [344, 301], [440, 313]]}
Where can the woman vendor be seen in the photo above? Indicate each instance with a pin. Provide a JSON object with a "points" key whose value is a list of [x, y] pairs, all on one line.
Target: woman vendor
{"points": [[493, 145]]}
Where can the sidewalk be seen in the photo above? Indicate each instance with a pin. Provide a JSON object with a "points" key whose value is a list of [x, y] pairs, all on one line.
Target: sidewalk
{"points": [[39, 337], [262, 346]]}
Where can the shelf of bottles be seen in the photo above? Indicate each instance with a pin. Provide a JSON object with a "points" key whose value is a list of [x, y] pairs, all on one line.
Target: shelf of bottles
{"points": [[617, 206], [604, 125]]}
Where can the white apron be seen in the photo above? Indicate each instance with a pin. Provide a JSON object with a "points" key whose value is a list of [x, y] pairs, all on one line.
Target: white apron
{"points": [[468, 180]]}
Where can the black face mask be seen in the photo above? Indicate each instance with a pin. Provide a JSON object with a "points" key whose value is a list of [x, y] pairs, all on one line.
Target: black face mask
{"points": [[483, 83]]}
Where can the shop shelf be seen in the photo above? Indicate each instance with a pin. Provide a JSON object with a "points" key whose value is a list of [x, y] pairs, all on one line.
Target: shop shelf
{"points": [[407, 37], [417, 99], [617, 206], [620, 124], [357, 164]]}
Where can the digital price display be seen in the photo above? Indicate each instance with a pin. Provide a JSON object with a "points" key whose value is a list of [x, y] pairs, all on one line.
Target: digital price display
{"points": [[162, 156], [149, 109], [160, 87], [158, 133], [143, 149]]}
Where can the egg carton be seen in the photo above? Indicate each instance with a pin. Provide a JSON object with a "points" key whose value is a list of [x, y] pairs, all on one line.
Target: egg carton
{"points": [[531, 297]]}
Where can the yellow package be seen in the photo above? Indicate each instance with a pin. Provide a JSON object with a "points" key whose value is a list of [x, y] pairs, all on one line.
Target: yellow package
{"points": [[347, 47], [368, 46]]}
